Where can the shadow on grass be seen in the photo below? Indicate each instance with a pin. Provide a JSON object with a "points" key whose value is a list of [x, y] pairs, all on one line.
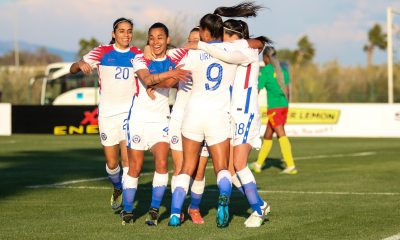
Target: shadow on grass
{"points": [[28, 168], [274, 163]]}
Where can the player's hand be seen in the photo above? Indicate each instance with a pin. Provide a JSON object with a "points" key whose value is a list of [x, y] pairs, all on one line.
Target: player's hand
{"points": [[148, 53], [151, 93], [85, 67], [191, 45], [182, 75]]}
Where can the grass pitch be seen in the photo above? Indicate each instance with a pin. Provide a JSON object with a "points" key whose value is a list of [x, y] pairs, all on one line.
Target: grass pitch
{"points": [[347, 188]]}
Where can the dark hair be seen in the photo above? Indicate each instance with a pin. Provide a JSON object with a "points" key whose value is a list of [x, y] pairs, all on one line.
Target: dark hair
{"points": [[237, 27], [116, 23], [195, 29], [214, 24], [269, 51], [159, 25], [244, 9]]}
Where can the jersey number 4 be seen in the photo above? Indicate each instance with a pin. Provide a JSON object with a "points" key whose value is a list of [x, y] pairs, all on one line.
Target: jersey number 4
{"points": [[216, 70]]}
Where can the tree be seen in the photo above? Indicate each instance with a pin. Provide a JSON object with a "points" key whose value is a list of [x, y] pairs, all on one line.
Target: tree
{"points": [[39, 58], [376, 38], [286, 55], [139, 38], [305, 52], [86, 45]]}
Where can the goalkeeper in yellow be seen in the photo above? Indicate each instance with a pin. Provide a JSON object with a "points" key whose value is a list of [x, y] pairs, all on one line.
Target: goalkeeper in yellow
{"points": [[276, 81]]}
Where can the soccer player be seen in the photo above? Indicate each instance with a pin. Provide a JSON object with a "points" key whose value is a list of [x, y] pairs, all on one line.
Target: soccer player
{"points": [[175, 137], [198, 183], [117, 88], [245, 114], [278, 101], [206, 117], [148, 121]]}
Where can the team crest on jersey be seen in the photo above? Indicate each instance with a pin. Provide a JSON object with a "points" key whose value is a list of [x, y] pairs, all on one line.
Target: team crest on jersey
{"points": [[103, 136], [174, 139], [136, 139]]}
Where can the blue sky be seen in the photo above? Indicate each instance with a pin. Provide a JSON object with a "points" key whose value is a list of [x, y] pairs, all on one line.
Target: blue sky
{"points": [[338, 29]]}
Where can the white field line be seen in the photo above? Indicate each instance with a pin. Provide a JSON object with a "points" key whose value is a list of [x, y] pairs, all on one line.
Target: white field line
{"points": [[360, 154], [259, 191], [394, 237]]}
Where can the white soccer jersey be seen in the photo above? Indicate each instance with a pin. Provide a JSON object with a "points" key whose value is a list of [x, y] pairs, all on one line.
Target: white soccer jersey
{"points": [[116, 77], [144, 108], [211, 80], [209, 101], [244, 98]]}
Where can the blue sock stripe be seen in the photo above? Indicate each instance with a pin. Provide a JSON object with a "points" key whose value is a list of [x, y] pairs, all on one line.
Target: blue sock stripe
{"points": [[225, 186], [195, 200], [157, 196], [128, 196], [252, 196], [178, 197], [116, 180]]}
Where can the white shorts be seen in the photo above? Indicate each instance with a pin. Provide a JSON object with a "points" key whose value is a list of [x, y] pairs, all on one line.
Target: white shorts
{"points": [[112, 129], [143, 135], [175, 137], [246, 129], [213, 127]]}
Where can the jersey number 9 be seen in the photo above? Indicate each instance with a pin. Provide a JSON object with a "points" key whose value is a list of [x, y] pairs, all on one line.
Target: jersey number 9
{"points": [[217, 79]]}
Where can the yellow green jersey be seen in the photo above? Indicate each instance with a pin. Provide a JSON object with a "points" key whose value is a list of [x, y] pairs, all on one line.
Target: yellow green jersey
{"points": [[267, 79]]}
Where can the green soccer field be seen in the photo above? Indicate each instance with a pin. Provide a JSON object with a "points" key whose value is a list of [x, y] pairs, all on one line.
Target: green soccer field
{"points": [[55, 188]]}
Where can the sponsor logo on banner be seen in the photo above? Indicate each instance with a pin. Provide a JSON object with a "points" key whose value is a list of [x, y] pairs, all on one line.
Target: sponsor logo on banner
{"points": [[88, 125], [307, 116]]}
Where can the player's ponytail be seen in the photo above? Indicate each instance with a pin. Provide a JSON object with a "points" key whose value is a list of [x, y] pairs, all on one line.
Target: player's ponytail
{"points": [[244, 9], [116, 23], [271, 53]]}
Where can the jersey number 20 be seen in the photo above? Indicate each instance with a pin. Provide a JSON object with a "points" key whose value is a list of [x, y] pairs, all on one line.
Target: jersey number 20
{"points": [[217, 79], [122, 73]]}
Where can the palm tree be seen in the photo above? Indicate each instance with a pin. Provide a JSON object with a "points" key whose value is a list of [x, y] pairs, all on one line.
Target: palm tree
{"points": [[376, 38], [86, 45], [305, 52]]}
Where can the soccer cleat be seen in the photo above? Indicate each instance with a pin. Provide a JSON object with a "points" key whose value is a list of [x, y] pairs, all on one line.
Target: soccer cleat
{"points": [[127, 217], [174, 221], [265, 209], [255, 167], [195, 215], [223, 211], [182, 217], [254, 220], [152, 218], [116, 199], [290, 170]]}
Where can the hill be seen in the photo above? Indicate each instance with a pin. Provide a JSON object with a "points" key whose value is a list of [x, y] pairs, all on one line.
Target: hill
{"points": [[7, 46]]}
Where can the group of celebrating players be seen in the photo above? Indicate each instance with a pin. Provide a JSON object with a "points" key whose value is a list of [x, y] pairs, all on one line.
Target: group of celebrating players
{"points": [[215, 113]]}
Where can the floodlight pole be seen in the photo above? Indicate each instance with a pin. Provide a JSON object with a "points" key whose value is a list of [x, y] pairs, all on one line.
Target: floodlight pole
{"points": [[16, 46], [390, 13]]}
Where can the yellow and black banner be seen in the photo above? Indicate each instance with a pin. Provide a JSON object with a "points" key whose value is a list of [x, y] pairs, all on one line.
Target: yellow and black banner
{"points": [[307, 116]]}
